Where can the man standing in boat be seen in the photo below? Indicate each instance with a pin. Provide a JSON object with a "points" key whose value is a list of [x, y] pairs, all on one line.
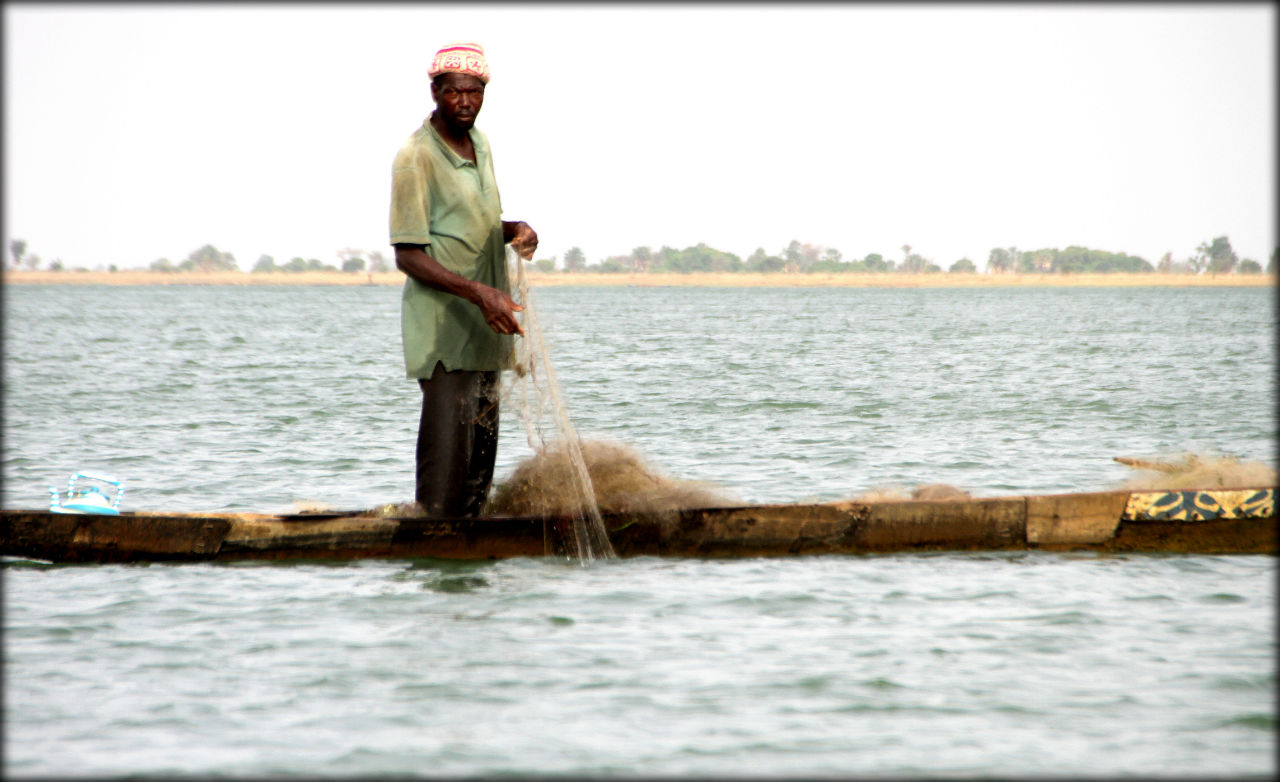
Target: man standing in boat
{"points": [[457, 316]]}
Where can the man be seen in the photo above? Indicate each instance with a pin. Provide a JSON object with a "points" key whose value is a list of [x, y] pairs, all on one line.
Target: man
{"points": [[457, 317]]}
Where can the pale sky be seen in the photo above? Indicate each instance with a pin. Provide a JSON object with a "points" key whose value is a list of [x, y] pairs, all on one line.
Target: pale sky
{"points": [[139, 132]]}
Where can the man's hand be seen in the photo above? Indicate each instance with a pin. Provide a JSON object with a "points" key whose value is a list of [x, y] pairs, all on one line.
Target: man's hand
{"points": [[499, 310], [523, 238]]}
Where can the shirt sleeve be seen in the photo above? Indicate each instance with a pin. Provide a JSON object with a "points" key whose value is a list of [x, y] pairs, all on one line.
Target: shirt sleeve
{"points": [[410, 200]]}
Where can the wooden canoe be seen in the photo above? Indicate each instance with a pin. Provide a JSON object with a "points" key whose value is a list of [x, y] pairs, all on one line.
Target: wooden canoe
{"points": [[1209, 521]]}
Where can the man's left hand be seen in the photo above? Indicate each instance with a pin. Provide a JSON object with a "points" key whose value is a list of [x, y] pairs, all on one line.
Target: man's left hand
{"points": [[525, 240]]}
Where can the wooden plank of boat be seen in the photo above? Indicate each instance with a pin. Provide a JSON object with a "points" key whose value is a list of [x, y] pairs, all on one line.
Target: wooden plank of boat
{"points": [[1214, 520]]}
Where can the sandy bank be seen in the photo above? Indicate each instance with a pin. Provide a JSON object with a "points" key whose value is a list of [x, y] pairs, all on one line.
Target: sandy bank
{"points": [[728, 280]]}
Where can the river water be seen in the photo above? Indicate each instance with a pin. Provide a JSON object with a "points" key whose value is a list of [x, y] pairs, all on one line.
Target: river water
{"points": [[279, 398]]}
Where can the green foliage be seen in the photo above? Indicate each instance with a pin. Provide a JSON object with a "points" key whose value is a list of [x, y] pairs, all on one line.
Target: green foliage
{"points": [[378, 263], [209, 259], [998, 261], [874, 262], [914, 263], [1216, 256], [616, 264], [828, 266], [575, 260], [760, 261], [1222, 259], [19, 248], [1200, 260], [1074, 260], [1038, 261], [802, 257], [769, 263], [1022, 263], [352, 260], [792, 254], [699, 258]]}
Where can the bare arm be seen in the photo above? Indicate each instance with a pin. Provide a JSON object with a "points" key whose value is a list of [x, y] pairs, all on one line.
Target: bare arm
{"points": [[497, 307]]}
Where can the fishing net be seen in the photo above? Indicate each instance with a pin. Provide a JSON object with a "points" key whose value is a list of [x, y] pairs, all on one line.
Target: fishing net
{"points": [[1194, 471], [536, 392], [569, 478], [621, 478], [1188, 471]]}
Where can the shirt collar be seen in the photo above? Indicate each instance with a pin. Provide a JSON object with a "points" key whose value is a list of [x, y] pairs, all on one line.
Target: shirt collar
{"points": [[477, 140]]}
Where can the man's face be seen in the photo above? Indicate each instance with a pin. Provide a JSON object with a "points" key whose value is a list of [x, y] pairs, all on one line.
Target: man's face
{"points": [[458, 99]]}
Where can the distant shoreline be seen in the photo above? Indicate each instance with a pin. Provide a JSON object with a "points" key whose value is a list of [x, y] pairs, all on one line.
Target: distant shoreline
{"points": [[664, 279]]}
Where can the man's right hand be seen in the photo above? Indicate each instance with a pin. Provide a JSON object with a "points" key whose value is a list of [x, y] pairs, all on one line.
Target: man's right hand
{"points": [[499, 310]]}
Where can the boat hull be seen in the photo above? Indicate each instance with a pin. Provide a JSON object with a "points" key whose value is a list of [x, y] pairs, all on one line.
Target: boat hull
{"points": [[1210, 521]]}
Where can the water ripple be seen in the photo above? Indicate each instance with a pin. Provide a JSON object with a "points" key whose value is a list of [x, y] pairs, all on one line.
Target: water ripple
{"points": [[984, 664]]}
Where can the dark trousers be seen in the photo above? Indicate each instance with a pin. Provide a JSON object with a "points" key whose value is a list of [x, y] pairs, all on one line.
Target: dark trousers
{"points": [[457, 441]]}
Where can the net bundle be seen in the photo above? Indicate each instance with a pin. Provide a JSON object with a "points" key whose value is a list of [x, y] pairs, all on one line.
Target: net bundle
{"points": [[551, 435]]}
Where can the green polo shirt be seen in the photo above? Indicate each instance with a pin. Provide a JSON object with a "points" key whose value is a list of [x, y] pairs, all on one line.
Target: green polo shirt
{"points": [[440, 199]]}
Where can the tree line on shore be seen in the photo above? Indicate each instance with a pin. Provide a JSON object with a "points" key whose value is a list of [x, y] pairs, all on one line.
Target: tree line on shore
{"points": [[209, 258], [1213, 257]]}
